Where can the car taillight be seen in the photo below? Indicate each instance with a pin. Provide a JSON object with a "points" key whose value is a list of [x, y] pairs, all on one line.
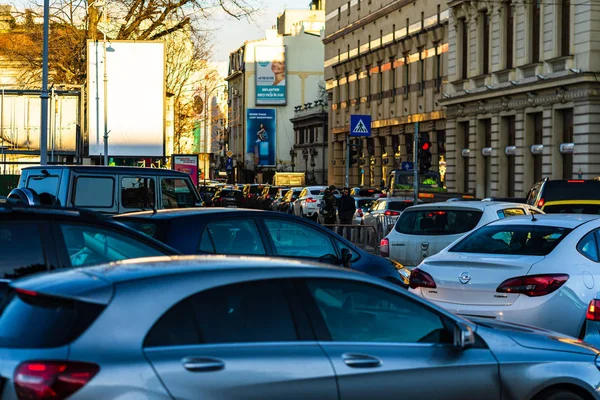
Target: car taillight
{"points": [[311, 200], [359, 212], [419, 278], [541, 203], [533, 285], [249, 196], [593, 311], [391, 213], [384, 247], [268, 196], [41, 380]]}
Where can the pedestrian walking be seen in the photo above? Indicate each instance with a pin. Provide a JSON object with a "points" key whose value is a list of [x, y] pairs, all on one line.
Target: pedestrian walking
{"points": [[346, 211], [329, 207]]}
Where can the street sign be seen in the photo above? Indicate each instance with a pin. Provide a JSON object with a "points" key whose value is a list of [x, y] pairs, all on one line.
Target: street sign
{"points": [[229, 153], [360, 125], [407, 166], [229, 164]]}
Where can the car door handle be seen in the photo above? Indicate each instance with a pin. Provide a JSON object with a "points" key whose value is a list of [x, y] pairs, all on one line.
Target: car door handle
{"points": [[202, 364], [361, 360]]}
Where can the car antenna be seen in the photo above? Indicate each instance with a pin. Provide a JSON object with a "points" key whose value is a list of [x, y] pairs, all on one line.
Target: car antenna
{"points": [[533, 218]]}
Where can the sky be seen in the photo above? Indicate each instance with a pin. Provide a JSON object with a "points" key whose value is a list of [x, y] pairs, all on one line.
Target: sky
{"points": [[229, 33]]}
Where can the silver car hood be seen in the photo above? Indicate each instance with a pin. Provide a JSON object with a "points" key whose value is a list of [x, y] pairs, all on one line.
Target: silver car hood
{"points": [[536, 338]]}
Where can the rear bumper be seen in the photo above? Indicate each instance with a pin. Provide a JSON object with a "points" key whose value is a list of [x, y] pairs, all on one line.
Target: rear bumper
{"points": [[556, 312]]}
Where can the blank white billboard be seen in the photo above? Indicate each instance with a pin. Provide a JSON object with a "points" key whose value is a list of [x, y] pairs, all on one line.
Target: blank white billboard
{"points": [[135, 95]]}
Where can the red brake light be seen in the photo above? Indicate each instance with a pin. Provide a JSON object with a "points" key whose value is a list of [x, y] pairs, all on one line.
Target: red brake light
{"points": [[268, 196], [43, 380], [391, 213], [384, 247], [419, 278], [311, 200], [249, 196], [26, 292], [533, 285], [575, 181], [359, 212], [593, 311], [541, 203]]}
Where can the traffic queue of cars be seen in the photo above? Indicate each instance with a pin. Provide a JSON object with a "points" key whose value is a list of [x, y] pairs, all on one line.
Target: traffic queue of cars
{"points": [[508, 261], [229, 302]]}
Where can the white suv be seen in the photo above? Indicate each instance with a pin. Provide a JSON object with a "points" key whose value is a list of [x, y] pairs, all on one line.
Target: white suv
{"points": [[307, 204], [424, 230]]}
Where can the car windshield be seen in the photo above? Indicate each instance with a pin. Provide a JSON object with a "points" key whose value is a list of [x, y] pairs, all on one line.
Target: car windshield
{"points": [[531, 240], [438, 221], [572, 209], [399, 205]]}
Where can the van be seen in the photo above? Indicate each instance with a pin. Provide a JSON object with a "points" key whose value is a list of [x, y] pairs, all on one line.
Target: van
{"points": [[109, 190]]}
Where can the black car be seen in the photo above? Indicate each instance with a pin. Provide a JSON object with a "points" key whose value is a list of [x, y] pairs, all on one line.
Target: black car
{"points": [[207, 193], [266, 198], [229, 198], [40, 239], [260, 233], [251, 192]]}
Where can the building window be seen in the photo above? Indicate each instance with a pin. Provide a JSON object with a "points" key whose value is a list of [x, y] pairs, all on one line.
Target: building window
{"points": [[464, 48], [339, 55], [359, 47], [438, 13], [336, 93], [349, 8], [358, 94], [485, 70], [312, 135], [465, 145], [511, 170], [394, 32], [565, 28], [358, 5], [347, 88], [421, 72], [422, 20], [369, 88], [567, 159], [406, 76], [509, 26], [348, 51], [393, 79], [535, 31], [380, 81], [438, 68], [381, 37], [369, 42], [487, 142], [538, 138], [339, 13]]}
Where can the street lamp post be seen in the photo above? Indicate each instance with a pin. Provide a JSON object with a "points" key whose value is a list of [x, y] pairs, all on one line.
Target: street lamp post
{"points": [[44, 95], [104, 16]]}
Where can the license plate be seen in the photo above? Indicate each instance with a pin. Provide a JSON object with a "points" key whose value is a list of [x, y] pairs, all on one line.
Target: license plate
{"points": [[230, 206]]}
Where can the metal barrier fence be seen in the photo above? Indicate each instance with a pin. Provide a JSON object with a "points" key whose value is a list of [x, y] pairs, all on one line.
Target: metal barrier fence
{"points": [[365, 237]]}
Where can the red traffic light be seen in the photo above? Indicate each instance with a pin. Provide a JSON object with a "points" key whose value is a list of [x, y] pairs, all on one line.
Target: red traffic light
{"points": [[426, 146]]}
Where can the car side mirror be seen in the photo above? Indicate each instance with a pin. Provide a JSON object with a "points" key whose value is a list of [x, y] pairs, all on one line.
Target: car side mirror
{"points": [[346, 257], [464, 337]]}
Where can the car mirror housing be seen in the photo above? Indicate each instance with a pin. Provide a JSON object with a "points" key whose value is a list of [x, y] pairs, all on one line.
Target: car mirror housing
{"points": [[464, 337], [346, 257]]}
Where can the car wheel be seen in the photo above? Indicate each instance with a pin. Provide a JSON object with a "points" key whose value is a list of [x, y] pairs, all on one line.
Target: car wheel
{"points": [[558, 394]]}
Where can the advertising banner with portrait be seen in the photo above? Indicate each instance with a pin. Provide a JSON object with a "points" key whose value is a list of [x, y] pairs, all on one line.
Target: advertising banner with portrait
{"points": [[270, 75], [187, 163], [261, 132]]}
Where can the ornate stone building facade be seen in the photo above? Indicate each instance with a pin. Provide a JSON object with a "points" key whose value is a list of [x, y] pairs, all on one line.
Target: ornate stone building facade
{"points": [[387, 59], [523, 98]]}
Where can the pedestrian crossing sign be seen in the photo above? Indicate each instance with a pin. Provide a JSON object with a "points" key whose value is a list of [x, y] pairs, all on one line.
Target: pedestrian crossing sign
{"points": [[360, 125]]}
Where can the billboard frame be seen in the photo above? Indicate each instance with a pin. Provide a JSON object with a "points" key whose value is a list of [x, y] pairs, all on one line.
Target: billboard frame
{"points": [[196, 178], [89, 101], [267, 103]]}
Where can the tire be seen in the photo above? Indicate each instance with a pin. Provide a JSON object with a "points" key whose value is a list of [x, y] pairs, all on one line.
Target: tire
{"points": [[558, 394]]}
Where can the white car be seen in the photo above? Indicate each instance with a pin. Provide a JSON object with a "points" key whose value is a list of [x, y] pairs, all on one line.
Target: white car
{"points": [[424, 230], [541, 270], [383, 214], [308, 202]]}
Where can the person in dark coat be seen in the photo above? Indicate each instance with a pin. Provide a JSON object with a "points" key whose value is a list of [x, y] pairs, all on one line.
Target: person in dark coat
{"points": [[346, 210], [329, 207]]}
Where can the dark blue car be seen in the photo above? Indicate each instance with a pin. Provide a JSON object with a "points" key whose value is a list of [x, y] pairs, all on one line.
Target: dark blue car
{"points": [[259, 233]]}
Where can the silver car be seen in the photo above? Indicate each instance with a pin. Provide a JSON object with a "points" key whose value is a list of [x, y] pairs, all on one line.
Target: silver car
{"points": [[256, 328]]}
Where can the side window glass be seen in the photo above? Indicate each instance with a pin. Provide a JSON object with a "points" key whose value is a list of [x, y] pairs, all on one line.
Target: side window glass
{"points": [[239, 236], [293, 239], [46, 187], [137, 192], [88, 245], [240, 313], [176, 193], [358, 312], [206, 243], [21, 250], [501, 214], [94, 192], [513, 212], [588, 246], [342, 245]]}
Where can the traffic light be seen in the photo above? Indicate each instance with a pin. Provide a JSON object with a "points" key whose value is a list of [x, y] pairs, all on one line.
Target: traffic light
{"points": [[355, 151], [425, 155]]}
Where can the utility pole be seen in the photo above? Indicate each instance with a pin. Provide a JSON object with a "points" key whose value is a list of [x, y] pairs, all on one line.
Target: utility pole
{"points": [[44, 95], [416, 164], [105, 90], [205, 126]]}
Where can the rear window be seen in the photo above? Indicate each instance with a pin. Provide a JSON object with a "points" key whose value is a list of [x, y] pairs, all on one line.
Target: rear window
{"points": [[273, 191], [368, 192], [46, 187], [571, 190], [365, 204], [573, 209], [531, 240], [35, 322], [256, 189], [155, 229], [399, 205], [232, 193], [437, 222]]}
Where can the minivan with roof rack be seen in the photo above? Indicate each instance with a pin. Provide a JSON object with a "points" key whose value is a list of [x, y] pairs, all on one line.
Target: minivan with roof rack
{"points": [[108, 190]]}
